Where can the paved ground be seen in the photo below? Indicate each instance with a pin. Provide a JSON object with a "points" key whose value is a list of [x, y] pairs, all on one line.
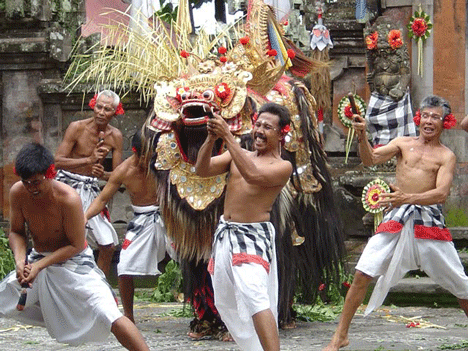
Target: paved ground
{"points": [[442, 329]]}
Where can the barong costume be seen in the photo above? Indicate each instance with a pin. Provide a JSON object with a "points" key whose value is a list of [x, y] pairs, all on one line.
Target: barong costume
{"points": [[388, 119], [71, 299], [145, 243], [412, 237], [245, 281], [99, 230]]}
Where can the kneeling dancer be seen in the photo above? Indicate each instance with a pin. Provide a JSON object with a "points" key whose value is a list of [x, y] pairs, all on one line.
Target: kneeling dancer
{"points": [[66, 291]]}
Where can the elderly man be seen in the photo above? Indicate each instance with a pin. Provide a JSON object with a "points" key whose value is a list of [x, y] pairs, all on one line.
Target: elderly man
{"points": [[79, 159], [413, 233]]}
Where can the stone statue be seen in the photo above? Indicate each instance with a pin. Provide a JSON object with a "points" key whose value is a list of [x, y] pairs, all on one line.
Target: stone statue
{"points": [[389, 67], [389, 112]]}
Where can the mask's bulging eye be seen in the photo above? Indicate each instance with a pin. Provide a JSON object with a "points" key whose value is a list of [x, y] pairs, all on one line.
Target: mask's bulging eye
{"points": [[208, 95], [185, 96]]}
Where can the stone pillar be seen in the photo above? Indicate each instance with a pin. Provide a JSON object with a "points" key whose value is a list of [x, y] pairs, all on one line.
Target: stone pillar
{"points": [[449, 53]]}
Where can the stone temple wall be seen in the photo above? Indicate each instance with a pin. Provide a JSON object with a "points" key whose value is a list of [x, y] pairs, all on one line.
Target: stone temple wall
{"points": [[36, 37]]}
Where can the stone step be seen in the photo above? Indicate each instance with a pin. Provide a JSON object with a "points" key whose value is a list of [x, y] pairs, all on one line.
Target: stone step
{"points": [[419, 291]]}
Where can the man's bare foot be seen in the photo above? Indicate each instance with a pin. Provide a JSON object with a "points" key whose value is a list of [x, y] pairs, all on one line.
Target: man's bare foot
{"points": [[335, 344], [226, 337], [290, 325], [199, 336]]}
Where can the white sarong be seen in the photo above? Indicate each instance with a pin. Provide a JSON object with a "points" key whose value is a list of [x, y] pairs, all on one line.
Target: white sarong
{"points": [[246, 285], [99, 229], [145, 243], [391, 254], [71, 299]]}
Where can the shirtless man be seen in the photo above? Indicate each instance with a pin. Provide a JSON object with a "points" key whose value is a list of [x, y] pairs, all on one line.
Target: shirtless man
{"points": [[243, 262], [145, 242], [79, 159], [67, 293], [413, 233]]}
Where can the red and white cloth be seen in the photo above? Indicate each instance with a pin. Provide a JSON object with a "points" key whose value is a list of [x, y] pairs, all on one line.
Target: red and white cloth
{"points": [[412, 237], [245, 279]]}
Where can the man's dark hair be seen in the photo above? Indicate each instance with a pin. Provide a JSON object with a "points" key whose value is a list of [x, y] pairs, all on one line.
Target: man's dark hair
{"points": [[33, 159], [136, 142], [436, 101], [277, 110]]}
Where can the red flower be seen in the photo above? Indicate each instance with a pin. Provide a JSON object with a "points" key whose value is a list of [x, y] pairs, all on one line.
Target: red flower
{"points": [[180, 91], [222, 50], [272, 52], [419, 27], [348, 112], [321, 287], [375, 197], [184, 54], [92, 102], [291, 53], [244, 40], [223, 59], [417, 118], [286, 129], [119, 110], [346, 284], [51, 172], [394, 39], [371, 41], [222, 91], [134, 150], [449, 121], [285, 23]]}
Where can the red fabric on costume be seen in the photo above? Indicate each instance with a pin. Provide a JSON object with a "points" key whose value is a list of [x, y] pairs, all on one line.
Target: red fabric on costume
{"points": [[211, 266], [389, 227], [238, 259], [126, 243], [433, 233]]}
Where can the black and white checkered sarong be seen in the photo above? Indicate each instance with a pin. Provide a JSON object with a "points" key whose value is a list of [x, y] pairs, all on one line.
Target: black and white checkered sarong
{"points": [[250, 242], [429, 222], [388, 119]]}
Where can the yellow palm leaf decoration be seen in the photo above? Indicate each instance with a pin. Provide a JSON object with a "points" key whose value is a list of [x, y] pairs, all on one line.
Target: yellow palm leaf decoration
{"points": [[129, 59]]}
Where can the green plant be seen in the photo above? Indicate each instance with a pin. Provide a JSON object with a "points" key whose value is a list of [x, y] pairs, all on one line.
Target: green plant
{"points": [[456, 217], [169, 284], [458, 346], [7, 261], [318, 312], [183, 312]]}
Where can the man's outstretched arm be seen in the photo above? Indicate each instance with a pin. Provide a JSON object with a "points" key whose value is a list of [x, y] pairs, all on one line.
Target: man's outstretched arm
{"points": [[369, 155], [111, 187]]}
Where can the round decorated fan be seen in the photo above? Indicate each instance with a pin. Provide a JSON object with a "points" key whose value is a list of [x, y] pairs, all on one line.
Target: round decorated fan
{"points": [[345, 115], [371, 198], [345, 112], [371, 195]]}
